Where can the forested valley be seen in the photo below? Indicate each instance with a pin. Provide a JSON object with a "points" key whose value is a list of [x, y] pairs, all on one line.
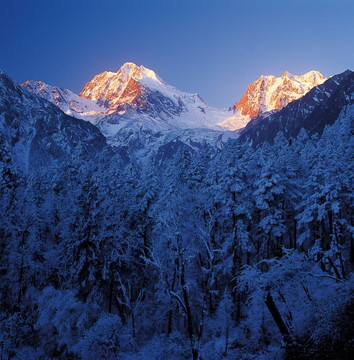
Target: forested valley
{"points": [[232, 253]]}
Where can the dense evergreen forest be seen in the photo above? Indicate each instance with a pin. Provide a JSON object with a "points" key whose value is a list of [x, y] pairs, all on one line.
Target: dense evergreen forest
{"points": [[232, 253]]}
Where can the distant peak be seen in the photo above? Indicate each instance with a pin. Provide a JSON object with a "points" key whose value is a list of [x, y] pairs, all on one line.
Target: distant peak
{"points": [[32, 83], [129, 67], [3, 74], [5, 78], [270, 92], [131, 70], [312, 76], [313, 72], [121, 87], [286, 73], [130, 64]]}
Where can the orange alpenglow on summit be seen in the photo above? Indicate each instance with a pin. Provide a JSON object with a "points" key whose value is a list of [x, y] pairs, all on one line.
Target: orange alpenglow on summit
{"points": [[270, 92], [119, 88]]}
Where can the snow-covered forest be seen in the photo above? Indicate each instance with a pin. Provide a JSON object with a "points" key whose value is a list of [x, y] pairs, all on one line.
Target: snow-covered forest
{"points": [[232, 253]]}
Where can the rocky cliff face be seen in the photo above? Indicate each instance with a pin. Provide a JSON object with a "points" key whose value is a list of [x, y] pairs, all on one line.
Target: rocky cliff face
{"points": [[126, 87], [270, 93], [321, 106]]}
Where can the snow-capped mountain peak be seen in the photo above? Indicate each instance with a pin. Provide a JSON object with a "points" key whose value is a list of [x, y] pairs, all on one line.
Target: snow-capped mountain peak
{"points": [[136, 96], [313, 76], [121, 87], [131, 99], [270, 92], [130, 69]]}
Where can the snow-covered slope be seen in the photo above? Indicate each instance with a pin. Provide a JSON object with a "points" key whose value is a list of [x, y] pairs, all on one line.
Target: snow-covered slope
{"points": [[136, 98], [39, 133], [133, 98], [270, 93], [66, 100], [321, 106]]}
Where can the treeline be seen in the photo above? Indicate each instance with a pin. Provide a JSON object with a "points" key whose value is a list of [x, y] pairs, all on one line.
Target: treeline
{"points": [[208, 254]]}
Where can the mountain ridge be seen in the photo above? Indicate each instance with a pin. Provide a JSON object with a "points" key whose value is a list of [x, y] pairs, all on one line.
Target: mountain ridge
{"points": [[136, 97], [133, 98], [274, 93], [38, 132], [316, 109]]}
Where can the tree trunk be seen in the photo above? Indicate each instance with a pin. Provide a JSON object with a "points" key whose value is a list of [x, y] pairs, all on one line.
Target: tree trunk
{"points": [[342, 266], [169, 326], [110, 297], [170, 313], [238, 307], [195, 351], [334, 267], [226, 337], [237, 263], [330, 221], [133, 324], [211, 309], [277, 318], [326, 236], [186, 304]]}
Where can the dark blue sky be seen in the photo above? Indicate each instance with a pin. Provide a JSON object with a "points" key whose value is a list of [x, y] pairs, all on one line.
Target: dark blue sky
{"points": [[215, 48]]}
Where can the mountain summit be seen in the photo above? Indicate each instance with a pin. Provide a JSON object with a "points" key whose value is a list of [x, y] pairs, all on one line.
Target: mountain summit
{"points": [[270, 92], [321, 106], [125, 87]]}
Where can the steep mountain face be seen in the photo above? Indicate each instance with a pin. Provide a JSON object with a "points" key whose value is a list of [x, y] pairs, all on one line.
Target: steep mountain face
{"points": [[39, 132], [319, 107], [124, 88], [270, 93]]}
